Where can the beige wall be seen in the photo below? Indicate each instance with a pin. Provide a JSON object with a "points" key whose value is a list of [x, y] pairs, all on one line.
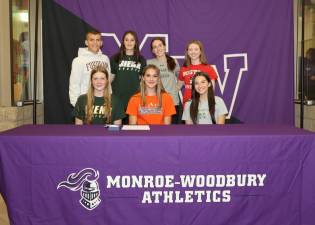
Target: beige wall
{"points": [[5, 67], [4, 220], [309, 117], [5, 70], [309, 42], [10, 117], [5, 81]]}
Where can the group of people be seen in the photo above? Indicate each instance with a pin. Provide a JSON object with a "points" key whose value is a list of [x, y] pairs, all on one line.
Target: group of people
{"points": [[127, 89]]}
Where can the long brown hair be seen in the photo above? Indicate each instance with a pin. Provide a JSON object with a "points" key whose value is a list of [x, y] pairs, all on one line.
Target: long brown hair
{"points": [[195, 98], [159, 88], [203, 58], [91, 99], [122, 50], [171, 64]]}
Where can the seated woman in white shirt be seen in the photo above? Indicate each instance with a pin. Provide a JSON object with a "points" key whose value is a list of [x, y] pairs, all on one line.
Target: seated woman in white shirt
{"points": [[204, 107]]}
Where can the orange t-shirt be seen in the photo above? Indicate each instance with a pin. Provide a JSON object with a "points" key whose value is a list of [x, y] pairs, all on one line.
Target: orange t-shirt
{"points": [[151, 113]]}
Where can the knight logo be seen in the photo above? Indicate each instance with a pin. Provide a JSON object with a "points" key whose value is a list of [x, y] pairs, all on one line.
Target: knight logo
{"points": [[85, 181]]}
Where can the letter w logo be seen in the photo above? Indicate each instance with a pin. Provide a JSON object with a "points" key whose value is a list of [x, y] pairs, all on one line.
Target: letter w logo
{"points": [[165, 36], [233, 71], [231, 67]]}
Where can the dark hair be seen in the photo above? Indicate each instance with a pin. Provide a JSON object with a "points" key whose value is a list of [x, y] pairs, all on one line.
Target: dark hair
{"points": [[95, 32], [122, 50], [195, 98], [310, 55], [171, 64], [23, 36]]}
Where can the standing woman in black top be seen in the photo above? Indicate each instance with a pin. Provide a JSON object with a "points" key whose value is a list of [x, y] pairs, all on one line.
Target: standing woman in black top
{"points": [[127, 65]]}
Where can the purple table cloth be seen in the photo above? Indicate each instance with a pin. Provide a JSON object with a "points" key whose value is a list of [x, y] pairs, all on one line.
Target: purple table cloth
{"points": [[170, 175]]}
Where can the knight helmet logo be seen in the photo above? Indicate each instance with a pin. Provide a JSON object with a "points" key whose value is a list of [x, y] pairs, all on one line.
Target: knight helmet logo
{"points": [[85, 181]]}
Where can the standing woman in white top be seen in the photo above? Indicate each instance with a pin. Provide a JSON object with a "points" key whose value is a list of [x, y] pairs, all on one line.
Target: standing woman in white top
{"points": [[169, 69], [204, 107]]}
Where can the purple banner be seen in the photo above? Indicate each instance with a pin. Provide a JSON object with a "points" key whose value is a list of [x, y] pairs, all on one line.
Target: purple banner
{"points": [[233, 174], [249, 43]]}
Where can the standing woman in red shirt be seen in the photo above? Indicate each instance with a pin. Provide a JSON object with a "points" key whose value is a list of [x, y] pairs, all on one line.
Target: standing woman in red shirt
{"points": [[195, 61]]}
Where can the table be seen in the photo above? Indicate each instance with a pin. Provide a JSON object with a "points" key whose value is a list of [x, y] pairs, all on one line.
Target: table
{"points": [[170, 175]]}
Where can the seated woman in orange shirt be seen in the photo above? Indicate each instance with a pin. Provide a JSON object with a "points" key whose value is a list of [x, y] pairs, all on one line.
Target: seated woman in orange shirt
{"points": [[152, 105]]}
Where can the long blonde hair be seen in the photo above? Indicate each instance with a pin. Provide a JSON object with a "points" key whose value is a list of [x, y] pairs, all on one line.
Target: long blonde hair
{"points": [[91, 99], [203, 58], [159, 88]]}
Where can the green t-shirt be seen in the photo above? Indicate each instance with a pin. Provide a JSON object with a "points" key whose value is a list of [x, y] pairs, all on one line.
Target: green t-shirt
{"points": [[79, 110], [127, 77]]}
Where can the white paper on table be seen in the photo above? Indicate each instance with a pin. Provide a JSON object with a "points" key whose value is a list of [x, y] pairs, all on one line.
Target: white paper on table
{"points": [[135, 127]]}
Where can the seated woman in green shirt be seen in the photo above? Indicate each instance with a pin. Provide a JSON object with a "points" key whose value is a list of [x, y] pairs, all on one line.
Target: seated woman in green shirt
{"points": [[98, 106]]}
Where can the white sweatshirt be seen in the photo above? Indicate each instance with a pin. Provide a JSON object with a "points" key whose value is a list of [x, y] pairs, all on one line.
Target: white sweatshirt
{"points": [[81, 71]]}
